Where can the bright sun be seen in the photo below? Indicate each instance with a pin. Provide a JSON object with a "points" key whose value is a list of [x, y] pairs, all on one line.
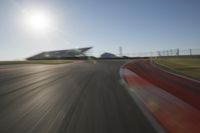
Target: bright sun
{"points": [[37, 21]]}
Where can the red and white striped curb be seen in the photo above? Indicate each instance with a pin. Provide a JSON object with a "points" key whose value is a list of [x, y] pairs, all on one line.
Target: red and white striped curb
{"points": [[172, 113]]}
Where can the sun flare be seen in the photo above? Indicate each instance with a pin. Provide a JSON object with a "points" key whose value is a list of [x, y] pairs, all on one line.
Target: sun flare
{"points": [[37, 21]]}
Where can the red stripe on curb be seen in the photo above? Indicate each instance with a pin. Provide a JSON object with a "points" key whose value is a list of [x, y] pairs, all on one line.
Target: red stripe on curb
{"points": [[175, 115], [187, 90]]}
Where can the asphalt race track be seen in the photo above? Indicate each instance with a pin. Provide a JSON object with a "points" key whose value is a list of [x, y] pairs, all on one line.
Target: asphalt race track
{"points": [[71, 98]]}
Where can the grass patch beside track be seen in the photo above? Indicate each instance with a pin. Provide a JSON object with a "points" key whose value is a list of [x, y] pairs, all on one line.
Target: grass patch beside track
{"points": [[48, 62], [186, 66]]}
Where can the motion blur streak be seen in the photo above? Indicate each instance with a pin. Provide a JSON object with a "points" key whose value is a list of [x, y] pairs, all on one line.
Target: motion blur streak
{"points": [[71, 98]]}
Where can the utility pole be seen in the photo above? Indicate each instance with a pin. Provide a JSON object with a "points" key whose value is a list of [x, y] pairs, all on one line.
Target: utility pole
{"points": [[190, 52], [120, 51]]}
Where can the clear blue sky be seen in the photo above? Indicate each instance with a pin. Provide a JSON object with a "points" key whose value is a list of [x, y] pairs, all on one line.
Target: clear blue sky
{"points": [[136, 25]]}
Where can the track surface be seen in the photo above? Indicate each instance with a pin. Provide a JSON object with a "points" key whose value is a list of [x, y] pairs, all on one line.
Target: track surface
{"points": [[72, 98]]}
